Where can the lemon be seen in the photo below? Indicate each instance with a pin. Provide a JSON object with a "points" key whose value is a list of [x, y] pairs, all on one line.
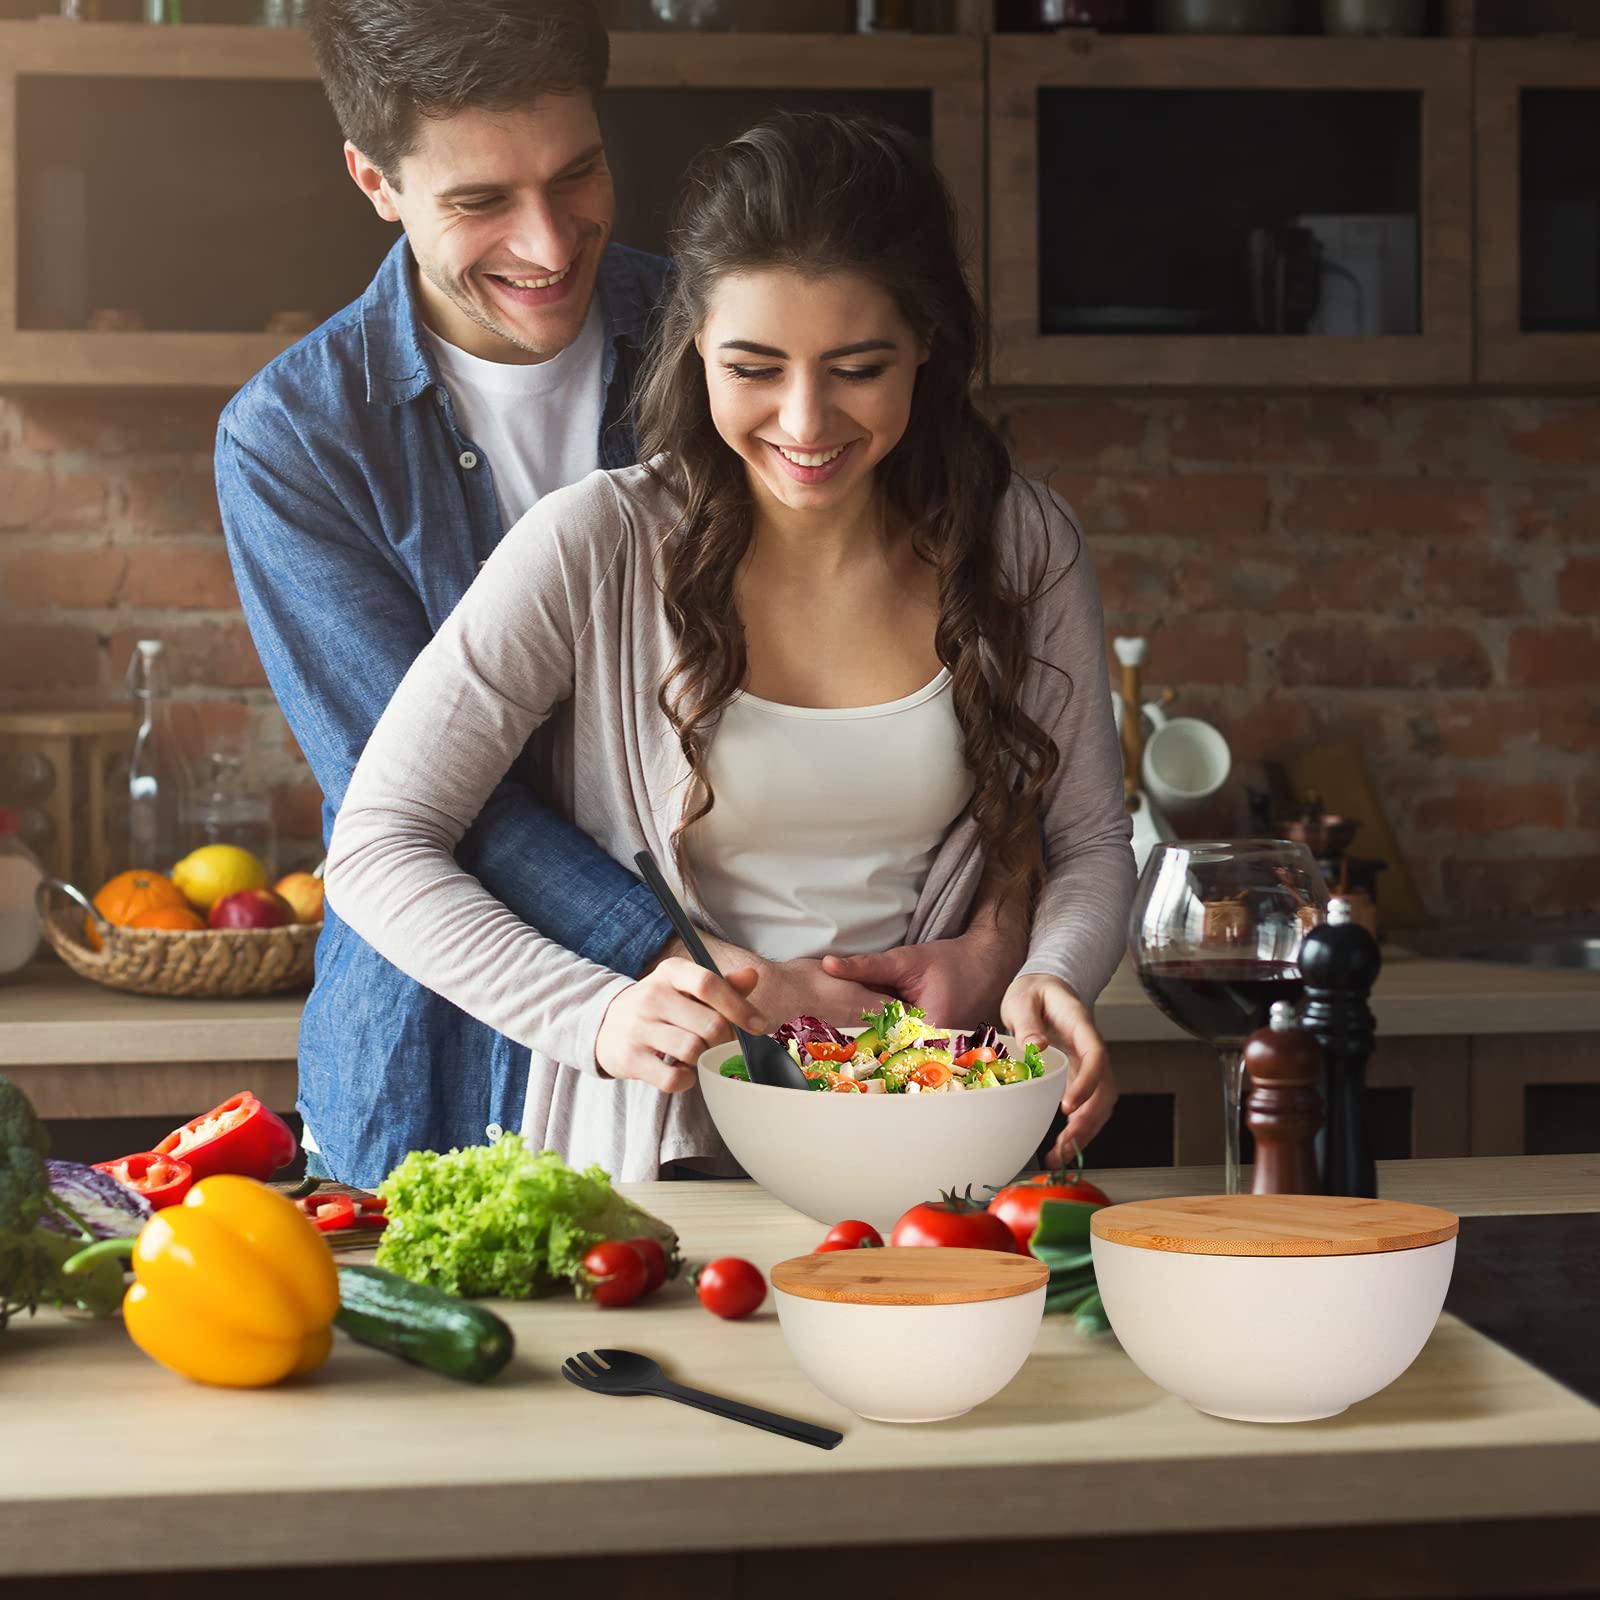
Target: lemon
{"points": [[214, 871]]}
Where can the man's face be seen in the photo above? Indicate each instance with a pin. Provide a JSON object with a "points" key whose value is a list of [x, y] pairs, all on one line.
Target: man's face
{"points": [[507, 213]]}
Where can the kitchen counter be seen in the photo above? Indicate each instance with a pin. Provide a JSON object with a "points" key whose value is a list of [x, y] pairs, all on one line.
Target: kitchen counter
{"points": [[52, 1017], [114, 1465]]}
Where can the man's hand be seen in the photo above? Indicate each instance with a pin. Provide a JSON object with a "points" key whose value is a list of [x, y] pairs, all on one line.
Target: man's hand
{"points": [[959, 982], [787, 989], [657, 1028], [1044, 1009]]}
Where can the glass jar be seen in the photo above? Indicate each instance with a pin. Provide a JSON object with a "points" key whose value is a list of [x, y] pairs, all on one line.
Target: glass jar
{"points": [[225, 810], [20, 874]]}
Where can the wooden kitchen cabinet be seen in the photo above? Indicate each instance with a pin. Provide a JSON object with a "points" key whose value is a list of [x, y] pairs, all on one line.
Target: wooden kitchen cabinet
{"points": [[1126, 175], [1537, 108], [227, 200]]}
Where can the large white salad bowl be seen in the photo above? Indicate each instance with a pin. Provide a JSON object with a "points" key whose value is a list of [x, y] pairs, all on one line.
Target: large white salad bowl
{"points": [[873, 1157]]}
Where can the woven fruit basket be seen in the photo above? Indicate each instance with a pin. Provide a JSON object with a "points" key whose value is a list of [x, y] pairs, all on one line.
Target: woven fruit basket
{"points": [[208, 962]]}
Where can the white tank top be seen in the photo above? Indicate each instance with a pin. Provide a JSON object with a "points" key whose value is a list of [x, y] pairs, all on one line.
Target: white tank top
{"points": [[825, 821]]}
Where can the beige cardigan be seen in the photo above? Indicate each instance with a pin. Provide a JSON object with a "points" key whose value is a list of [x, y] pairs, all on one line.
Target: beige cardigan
{"points": [[563, 634]]}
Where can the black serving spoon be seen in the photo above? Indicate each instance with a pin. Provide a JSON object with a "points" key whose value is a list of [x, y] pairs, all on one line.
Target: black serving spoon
{"points": [[765, 1059]]}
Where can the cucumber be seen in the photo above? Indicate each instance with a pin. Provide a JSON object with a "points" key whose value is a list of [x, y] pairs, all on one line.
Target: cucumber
{"points": [[422, 1325]]}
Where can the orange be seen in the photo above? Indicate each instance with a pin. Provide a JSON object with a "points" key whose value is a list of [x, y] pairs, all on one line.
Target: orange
{"points": [[178, 917], [129, 893]]}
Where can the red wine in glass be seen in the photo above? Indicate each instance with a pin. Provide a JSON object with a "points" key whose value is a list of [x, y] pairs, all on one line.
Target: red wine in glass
{"points": [[1220, 1000]]}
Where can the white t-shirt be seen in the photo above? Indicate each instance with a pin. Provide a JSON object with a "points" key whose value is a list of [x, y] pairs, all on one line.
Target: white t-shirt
{"points": [[825, 821], [537, 425]]}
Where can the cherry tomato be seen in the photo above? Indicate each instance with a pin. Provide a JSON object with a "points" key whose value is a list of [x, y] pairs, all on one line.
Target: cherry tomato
{"points": [[617, 1273], [953, 1220], [729, 1287], [850, 1236], [654, 1258], [825, 1050], [1018, 1204]]}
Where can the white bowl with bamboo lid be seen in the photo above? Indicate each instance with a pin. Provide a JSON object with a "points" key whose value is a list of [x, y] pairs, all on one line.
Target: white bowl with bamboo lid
{"points": [[1272, 1307], [910, 1334]]}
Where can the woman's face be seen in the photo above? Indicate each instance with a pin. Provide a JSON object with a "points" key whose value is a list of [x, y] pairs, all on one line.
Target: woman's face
{"points": [[810, 382]]}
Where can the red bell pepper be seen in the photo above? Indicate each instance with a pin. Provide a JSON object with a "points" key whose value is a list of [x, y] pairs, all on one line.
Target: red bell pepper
{"points": [[330, 1212], [162, 1180], [241, 1136]]}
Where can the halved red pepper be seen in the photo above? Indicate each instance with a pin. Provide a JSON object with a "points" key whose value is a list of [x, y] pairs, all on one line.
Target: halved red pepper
{"points": [[241, 1136], [330, 1212], [162, 1180]]}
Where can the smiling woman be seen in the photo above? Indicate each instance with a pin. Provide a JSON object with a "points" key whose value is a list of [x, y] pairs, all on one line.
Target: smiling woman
{"points": [[825, 656]]}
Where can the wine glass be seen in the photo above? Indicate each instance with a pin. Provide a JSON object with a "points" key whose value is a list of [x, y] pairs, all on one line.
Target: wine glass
{"points": [[1215, 937]]}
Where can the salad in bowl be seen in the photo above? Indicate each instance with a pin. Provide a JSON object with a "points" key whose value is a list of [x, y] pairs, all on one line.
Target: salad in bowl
{"points": [[898, 1051]]}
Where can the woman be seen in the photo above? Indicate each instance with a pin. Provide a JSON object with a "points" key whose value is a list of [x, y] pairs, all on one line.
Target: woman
{"points": [[825, 656]]}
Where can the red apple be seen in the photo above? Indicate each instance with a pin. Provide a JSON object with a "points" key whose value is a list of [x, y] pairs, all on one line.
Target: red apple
{"points": [[251, 908]]}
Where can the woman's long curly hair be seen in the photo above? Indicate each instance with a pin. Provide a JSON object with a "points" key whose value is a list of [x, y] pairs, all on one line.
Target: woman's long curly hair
{"points": [[821, 194]]}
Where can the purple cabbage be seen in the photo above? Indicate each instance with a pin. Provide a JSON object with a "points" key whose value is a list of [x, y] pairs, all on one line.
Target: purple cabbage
{"points": [[808, 1030], [110, 1210], [934, 1044], [989, 1036]]}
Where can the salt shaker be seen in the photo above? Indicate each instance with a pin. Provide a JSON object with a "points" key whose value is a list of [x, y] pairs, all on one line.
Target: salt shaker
{"points": [[1284, 1109], [1340, 962]]}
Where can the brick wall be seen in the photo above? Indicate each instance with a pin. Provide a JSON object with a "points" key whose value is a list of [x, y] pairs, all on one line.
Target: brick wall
{"points": [[1423, 573]]}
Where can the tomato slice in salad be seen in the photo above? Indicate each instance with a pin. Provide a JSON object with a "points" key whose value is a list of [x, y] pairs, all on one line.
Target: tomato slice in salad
{"points": [[931, 1075], [826, 1050], [972, 1057]]}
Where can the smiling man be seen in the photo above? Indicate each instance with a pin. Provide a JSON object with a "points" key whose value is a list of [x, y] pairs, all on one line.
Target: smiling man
{"points": [[367, 474]]}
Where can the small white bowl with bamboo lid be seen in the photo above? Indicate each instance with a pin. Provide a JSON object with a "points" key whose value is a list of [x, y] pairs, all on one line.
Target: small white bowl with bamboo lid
{"points": [[905, 1334], [1272, 1307]]}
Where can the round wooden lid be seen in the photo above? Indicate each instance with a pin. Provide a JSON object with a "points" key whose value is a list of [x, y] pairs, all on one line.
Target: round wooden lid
{"points": [[909, 1276], [1273, 1225]]}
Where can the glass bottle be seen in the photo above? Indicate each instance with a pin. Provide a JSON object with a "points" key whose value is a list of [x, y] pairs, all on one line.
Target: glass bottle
{"points": [[224, 810], [159, 781], [20, 873]]}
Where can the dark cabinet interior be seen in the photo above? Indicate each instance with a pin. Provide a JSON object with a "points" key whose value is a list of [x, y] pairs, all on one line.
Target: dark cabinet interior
{"points": [[1171, 211], [1559, 234]]}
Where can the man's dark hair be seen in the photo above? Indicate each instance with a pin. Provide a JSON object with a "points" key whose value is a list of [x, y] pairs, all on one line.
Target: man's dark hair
{"points": [[386, 64]]}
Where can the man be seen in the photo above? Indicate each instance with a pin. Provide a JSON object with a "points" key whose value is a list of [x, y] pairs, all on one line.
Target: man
{"points": [[366, 474]]}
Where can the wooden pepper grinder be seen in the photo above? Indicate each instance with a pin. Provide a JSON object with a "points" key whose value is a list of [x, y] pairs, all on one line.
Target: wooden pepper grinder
{"points": [[1284, 1109], [1340, 962]]}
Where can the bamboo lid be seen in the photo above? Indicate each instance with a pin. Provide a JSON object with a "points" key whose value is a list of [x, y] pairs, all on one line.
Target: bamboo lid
{"points": [[908, 1275], [1273, 1225]]}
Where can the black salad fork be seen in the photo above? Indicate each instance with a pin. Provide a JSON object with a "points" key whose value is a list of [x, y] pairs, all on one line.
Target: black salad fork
{"points": [[625, 1372], [765, 1059]]}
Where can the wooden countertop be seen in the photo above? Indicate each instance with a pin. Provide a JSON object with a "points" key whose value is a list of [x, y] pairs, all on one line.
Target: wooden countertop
{"points": [[112, 1463], [52, 1017]]}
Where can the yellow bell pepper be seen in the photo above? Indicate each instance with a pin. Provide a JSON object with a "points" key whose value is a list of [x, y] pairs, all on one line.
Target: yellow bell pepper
{"points": [[234, 1286]]}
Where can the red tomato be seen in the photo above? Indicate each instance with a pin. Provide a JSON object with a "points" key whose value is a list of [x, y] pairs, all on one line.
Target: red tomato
{"points": [[850, 1236], [953, 1220], [617, 1273], [982, 1053], [823, 1050], [1018, 1205], [730, 1288], [931, 1075], [654, 1258]]}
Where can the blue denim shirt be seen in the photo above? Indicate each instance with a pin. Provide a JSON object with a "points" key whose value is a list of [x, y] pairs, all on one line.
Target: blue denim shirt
{"points": [[356, 515]]}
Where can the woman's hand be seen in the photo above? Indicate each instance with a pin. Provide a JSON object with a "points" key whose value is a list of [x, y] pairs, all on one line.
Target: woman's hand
{"points": [[656, 1029], [1044, 1009]]}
